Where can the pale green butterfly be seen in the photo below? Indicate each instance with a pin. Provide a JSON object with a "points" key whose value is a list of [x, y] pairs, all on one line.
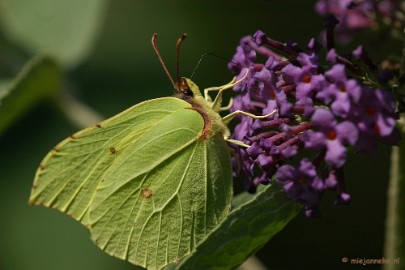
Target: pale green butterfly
{"points": [[150, 182]]}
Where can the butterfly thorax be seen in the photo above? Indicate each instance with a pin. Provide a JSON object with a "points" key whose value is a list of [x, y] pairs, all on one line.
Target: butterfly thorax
{"points": [[213, 123]]}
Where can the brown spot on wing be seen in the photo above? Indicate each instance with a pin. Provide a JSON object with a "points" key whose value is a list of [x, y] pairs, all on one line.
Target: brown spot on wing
{"points": [[146, 193], [112, 150]]}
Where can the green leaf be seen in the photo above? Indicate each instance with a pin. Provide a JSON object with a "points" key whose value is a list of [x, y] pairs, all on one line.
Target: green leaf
{"points": [[38, 80], [395, 222], [247, 228], [4, 87], [65, 30]]}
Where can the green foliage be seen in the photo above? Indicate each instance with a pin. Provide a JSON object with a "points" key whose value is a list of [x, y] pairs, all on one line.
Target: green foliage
{"points": [[38, 80], [69, 37], [252, 223]]}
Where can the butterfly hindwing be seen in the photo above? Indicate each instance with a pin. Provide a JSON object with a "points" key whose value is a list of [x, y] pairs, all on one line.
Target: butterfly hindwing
{"points": [[161, 197]]}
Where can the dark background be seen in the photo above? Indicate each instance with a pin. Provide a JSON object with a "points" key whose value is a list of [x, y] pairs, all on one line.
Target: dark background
{"points": [[123, 70]]}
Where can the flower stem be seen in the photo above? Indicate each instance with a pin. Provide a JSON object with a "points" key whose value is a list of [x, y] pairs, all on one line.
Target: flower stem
{"points": [[330, 23], [394, 246]]}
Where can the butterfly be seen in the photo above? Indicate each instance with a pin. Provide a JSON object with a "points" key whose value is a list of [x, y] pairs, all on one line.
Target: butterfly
{"points": [[149, 182]]}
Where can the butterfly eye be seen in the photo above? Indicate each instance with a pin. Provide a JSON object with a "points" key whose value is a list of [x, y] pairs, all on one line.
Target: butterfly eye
{"points": [[188, 92]]}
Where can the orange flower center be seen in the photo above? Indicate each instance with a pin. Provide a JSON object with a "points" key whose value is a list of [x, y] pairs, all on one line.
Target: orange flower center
{"points": [[331, 135], [306, 79]]}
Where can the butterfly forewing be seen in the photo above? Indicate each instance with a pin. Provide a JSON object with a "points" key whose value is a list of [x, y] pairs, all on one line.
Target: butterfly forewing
{"points": [[68, 176]]}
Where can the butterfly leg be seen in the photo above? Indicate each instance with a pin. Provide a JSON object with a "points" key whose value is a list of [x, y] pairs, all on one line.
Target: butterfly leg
{"points": [[228, 118], [227, 107], [238, 143], [216, 105], [216, 88], [210, 89], [232, 115]]}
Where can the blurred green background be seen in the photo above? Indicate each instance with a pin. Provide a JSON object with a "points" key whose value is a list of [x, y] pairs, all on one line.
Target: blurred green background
{"points": [[117, 68]]}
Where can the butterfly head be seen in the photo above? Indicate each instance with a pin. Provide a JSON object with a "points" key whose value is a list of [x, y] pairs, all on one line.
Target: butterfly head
{"points": [[186, 89]]}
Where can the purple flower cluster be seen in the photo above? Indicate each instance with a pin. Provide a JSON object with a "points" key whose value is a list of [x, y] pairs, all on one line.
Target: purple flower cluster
{"points": [[355, 15], [321, 113]]}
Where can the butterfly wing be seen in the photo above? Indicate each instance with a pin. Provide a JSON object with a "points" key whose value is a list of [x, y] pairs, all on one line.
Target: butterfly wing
{"points": [[143, 181], [68, 176], [161, 197]]}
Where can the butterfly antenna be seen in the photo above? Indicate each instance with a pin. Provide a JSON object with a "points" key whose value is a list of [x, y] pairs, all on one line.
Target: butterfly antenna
{"points": [[154, 45], [198, 64], [213, 54], [179, 41]]}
